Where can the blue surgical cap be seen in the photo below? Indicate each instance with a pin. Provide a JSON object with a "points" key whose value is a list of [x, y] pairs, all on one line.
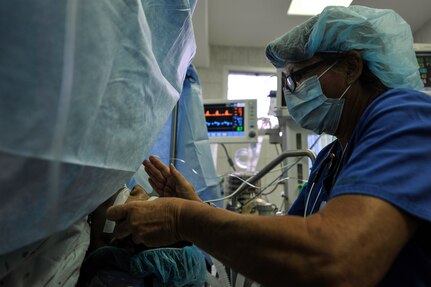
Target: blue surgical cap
{"points": [[381, 36], [175, 266]]}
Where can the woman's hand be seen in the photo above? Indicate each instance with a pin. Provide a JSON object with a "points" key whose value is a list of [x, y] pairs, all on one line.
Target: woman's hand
{"points": [[168, 181], [137, 193], [153, 223]]}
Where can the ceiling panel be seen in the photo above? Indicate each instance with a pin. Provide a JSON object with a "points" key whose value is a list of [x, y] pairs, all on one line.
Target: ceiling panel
{"points": [[254, 23]]}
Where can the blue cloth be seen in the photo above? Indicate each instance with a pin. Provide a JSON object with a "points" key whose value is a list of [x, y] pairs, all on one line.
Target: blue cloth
{"points": [[161, 148], [193, 144], [85, 87], [193, 154], [389, 157]]}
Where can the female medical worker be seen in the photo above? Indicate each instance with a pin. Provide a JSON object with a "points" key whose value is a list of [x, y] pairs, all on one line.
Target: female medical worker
{"points": [[364, 217]]}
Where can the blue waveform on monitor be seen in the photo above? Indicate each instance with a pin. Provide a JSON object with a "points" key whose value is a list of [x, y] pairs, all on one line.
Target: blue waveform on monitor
{"points": [[219, 124]]}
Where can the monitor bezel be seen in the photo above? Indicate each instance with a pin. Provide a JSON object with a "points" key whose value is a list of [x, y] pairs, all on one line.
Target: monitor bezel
{"points": [[249, 120], [423, 49]]}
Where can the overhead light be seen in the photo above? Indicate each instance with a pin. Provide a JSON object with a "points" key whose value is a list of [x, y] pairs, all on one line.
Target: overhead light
{"points": [[313, 7]]}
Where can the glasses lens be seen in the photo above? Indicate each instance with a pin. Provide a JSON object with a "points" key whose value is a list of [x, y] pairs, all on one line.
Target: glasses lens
{"points": [[294, 77], [290, 83]]}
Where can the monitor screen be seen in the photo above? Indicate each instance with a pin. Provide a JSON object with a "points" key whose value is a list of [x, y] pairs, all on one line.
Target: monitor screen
{"points": [[231, 121], [225, 119], [423, 55], [424, 61]]}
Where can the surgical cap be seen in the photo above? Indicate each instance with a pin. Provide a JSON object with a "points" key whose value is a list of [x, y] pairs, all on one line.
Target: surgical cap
{"points": [[381, 36], [176, 266]]}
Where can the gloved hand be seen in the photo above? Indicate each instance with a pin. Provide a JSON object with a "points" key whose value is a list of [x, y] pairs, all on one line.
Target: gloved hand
{"points": [[153, 223], [168, 181]]}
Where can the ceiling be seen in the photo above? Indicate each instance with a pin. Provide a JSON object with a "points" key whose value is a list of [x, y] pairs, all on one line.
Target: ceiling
{"points": [[254, 23]]}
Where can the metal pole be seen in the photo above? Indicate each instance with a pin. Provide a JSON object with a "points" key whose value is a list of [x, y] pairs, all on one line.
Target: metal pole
{"points": [[283, 118], [174, 125], [292, 153]]}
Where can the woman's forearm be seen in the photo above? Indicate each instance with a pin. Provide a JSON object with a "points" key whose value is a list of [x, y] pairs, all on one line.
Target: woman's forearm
{"points": [[261, 248]]}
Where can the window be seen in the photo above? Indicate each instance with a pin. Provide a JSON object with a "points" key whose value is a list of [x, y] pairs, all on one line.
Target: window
{"points": [[252, 85]]}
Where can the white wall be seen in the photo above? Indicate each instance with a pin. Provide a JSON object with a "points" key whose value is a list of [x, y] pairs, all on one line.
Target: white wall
{"points": [[423, 35], [213, 81], [214, 77]]}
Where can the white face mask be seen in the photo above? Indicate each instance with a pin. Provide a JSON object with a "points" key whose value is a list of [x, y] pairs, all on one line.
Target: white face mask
{"points": [[311, 109]]}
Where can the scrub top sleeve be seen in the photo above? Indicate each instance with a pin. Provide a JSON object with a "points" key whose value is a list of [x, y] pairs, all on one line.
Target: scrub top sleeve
{"points": [[389, 153]]}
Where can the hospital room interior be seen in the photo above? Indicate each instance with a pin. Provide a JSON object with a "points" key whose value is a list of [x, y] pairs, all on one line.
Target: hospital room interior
{"points": [[91, 89]]}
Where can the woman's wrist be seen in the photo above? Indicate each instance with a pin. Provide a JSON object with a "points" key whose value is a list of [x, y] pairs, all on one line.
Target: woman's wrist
{"points": [[187, 217]]}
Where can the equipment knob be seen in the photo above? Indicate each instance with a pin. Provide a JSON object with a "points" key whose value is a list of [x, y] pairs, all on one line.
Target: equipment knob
{"points": [[251, 134]]}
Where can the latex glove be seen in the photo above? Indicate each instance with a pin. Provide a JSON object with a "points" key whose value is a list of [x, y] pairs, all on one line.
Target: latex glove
{"points": [[168, 181], [153, 223]]}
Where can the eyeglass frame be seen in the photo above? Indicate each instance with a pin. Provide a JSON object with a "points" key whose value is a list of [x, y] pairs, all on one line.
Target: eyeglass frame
{"points": [[339, 56], [290, 79]]}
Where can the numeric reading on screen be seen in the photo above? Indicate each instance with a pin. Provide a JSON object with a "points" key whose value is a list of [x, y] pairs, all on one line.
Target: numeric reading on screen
{"points": [[225, 119]]}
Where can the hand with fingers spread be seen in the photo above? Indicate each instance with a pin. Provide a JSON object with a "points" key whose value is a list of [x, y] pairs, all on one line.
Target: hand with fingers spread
{"points": [[168, 181], [153, 223]]}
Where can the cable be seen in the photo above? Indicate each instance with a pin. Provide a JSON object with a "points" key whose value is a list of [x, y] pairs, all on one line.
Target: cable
{"points": [[229, 159], [219, 177], [261, 192], [288, 167], [244, 182], [191, 168], [275, 185], [276, 149]]}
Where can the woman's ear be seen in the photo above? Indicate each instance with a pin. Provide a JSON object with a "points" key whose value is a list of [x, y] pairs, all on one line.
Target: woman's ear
{"points": [[354, 66]]}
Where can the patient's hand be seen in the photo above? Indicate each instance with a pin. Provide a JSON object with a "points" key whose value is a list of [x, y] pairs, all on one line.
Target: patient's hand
{"points": [[168, 181]]}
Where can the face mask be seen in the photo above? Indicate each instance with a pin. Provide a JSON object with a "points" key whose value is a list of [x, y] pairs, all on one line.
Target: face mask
{"points": [[311, 109]]}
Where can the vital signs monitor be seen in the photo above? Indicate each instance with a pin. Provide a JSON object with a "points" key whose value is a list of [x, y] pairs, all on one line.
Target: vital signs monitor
{"points": [[231, 121]]}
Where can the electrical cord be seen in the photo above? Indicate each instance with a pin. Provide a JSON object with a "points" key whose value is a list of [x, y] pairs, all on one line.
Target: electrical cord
{"points": [[277, 179], [276, 150], [261, 192], [229, 159]]}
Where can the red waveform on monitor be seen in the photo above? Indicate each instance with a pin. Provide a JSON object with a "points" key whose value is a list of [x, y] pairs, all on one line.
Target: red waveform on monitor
{"points": [[218, 114]]}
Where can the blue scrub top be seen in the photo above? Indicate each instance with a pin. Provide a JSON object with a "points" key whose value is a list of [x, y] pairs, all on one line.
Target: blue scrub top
{"points": [[388, 156]]}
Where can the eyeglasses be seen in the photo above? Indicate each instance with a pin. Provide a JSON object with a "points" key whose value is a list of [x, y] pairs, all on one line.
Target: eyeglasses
{"points": [[291, 81]]}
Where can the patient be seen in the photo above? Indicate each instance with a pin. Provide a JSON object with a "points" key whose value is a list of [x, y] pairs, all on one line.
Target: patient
{"points": [[113, 262]]}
